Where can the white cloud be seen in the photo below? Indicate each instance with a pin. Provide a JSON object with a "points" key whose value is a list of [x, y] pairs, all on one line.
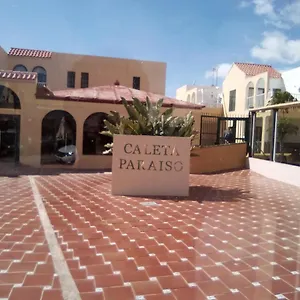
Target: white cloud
{"points": [[223, 70], [282, 17], [276, 47]]}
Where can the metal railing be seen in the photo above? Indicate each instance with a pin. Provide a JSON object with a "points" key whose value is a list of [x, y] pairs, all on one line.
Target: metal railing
{"points": [[260, 100], [250, 102]]}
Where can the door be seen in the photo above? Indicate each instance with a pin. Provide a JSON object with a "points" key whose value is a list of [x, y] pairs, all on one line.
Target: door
{"points": [[9, 138]]}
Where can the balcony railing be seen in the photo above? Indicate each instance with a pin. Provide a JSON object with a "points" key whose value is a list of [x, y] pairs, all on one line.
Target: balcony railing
{"points": [[260, 100], [250, 102]]}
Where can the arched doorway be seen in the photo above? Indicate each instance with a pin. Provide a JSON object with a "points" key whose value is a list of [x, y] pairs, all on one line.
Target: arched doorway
{"points": [[58, 143], [93, 142], [9, 126]]}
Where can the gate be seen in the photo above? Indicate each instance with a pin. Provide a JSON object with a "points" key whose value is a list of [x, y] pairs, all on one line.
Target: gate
{"points": [[213, 128]]}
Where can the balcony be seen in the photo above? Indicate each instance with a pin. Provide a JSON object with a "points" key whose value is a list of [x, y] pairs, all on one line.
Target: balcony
{"points": [[250, 102], [260, 100]]}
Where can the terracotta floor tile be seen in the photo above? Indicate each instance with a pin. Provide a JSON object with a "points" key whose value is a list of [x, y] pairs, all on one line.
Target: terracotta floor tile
{"points": [[117, 293], [293, 296], [38, 280], [13, 278], [32, 293], [99, 269], [108, 280], [139, 275], [195, 276], [172, 282], [155, 271], [277, 286], [22, 267], [192, 293], [256, 292], [163, 297], [232, 296], [146, 287], [181, 266], [92, 296], [47, 268], [85, 285], [52, 295], [5, 290], [213, 288]]}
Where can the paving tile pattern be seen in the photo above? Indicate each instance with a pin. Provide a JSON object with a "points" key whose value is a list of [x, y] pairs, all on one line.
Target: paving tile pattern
{"points": [[26, 267], [235, 237]]}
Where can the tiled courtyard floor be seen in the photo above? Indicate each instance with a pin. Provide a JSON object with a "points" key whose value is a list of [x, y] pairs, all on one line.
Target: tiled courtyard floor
{"points": [[236, 237]]}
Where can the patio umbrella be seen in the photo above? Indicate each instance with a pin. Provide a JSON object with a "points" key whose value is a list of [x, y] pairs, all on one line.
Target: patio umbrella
{"points": [[64, 130]]}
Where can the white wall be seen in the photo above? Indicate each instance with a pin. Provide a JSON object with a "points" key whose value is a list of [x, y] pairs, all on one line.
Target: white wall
{"points": [[278, 171], [204, 95], [292, 81]]}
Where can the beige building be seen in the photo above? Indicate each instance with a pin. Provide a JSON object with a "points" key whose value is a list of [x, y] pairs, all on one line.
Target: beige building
{"points": [[60, 71], [40, 127], [249, 85]]}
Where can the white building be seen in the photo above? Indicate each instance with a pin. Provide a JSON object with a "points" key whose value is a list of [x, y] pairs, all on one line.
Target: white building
{"points": [[292, 81], [249, 85], [209, 96]]}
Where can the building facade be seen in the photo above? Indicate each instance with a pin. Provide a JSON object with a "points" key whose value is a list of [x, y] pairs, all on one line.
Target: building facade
{"points": [[60, 71], [35, 122], [249, 86], [210, 96]]}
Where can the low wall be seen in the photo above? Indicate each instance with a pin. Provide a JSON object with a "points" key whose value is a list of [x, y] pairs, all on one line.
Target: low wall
{"points": [[218, 158], [278, 171], [203, 160]]}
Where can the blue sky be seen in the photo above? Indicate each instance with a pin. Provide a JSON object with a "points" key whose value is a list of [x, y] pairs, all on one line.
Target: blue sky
{"points": [[191, 36]]}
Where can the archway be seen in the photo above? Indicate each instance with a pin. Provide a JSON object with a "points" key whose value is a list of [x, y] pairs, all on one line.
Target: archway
{"points": [[94, 142], [58, 143], [250, 95], [188, 99], [8, 98], [9, 126]]}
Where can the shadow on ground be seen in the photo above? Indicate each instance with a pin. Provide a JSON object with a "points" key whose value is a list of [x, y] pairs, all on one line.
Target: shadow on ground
{"points": [[207, 193]]}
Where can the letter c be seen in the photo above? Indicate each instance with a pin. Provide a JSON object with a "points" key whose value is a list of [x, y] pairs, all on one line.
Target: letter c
{"points": [[125, 148]]}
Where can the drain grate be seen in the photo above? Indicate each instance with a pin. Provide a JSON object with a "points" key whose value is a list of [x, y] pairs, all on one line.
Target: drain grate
{"points": [[151, 203]]}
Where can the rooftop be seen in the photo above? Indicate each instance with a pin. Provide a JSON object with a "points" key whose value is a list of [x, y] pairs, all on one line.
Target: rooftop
{"points": [[17, 75], [29, 53], [112, 94], [251, 69], [235, 237]]}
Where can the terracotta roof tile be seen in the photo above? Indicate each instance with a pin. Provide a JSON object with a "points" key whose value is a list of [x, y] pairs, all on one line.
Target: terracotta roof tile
{"points": [[113, 93], [255, 69], [29, 53], [17, 75]]}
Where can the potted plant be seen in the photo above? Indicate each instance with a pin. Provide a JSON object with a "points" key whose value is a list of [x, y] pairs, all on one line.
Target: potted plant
{"points": [[151, 149]]}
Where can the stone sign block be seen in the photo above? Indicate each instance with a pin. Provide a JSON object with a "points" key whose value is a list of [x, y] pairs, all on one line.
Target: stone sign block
{"points": [[150, 165]]}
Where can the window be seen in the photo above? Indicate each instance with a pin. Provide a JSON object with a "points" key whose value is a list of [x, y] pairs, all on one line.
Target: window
{"points": [[71, 79], [232, 98], [20, 68], [276, 91], [42, 74], [188, 98], [84, 80], [260, 91], [136, 82], [193, 97]]}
